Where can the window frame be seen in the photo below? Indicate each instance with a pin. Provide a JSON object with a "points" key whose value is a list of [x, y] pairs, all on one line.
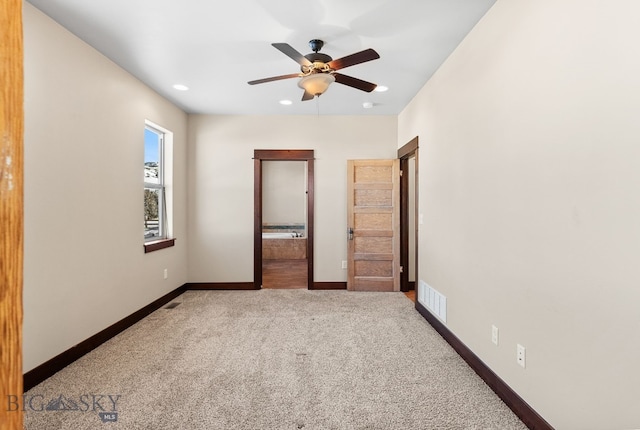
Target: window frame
{"points": [[162, 240]]}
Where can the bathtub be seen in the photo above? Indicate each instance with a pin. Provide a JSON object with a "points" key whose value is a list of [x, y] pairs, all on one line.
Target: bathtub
{"points": [[283, 246], [280, 235]]}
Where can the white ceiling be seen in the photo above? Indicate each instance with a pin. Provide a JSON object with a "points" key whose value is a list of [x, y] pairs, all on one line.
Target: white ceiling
{"points": [[215, 47]]}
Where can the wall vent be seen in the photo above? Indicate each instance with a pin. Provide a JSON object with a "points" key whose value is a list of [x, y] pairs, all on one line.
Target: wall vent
{"points": [[433, 300]]}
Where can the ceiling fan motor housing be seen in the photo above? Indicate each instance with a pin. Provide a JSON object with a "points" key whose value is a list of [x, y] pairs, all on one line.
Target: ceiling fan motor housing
{"points": [[316, 57]]}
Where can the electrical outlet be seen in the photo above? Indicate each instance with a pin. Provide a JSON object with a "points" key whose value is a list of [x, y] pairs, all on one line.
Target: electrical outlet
{"points": [[494, 335], [520, 355], [344, 264], [166, 273]]}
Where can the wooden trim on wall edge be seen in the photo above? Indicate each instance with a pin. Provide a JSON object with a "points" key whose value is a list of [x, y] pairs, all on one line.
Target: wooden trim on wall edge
{"points": [[220, 286], [60, 361], [329, 286], [409, 148], [11, 208], [526, 413], [283, 154]]}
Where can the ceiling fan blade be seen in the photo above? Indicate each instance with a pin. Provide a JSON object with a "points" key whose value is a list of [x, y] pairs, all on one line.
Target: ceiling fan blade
{"points": [[274, 78], [307, 96], [353, 59], [354, 82], [290, 52]]}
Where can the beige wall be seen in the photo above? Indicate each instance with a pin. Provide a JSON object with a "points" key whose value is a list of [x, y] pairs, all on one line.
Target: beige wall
{"points": [[84, 126], [221, 185], [284, 198], [529, 186]]}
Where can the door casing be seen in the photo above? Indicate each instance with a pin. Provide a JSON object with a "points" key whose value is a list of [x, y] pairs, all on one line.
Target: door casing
{"points": [[406, 152]]}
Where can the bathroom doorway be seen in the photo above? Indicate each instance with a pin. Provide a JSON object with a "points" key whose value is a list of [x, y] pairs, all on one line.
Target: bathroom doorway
{"points": [[283, 219]]}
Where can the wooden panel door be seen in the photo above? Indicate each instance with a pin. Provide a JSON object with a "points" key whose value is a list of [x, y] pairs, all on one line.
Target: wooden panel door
{"points": [[373, 212]]}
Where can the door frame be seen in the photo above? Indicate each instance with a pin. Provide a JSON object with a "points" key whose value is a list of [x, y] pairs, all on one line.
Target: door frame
{"points": [[409, 150], [260, 155]]}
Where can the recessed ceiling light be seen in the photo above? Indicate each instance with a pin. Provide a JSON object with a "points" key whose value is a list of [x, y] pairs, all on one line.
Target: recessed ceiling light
{"points": [[381, 89], [286, 102], [367, 105], [181, 87]]}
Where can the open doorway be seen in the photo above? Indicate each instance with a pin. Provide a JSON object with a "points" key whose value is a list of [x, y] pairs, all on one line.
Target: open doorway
{"points": [[284, 224], [283, 219], [408, 156]]}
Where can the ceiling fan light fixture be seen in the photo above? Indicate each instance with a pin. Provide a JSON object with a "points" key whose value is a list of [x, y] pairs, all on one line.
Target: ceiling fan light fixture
{"points": [[316, 83]]}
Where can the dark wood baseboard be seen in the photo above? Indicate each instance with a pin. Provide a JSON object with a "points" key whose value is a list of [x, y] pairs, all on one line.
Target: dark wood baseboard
{"points": [[329, 286], [526, 413], [249, 286], [219, 286], [62, 360]]}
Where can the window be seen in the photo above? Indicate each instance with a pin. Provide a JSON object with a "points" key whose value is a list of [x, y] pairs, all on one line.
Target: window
{"points": [[156, 226], [154, 208]]}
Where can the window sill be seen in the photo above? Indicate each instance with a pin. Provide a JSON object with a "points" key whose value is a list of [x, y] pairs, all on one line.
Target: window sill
{"points": [[158, 244]]}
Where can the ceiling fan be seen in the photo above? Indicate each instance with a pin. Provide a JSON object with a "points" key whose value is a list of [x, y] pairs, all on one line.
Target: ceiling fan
{"points": [[318, 70]]}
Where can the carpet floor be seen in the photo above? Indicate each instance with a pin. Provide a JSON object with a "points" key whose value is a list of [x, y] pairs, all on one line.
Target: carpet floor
{"points": [[272, 359]]}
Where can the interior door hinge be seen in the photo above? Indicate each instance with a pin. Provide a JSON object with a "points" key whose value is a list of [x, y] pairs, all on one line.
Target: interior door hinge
{"points": [[401, 269], [401, 172]]}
